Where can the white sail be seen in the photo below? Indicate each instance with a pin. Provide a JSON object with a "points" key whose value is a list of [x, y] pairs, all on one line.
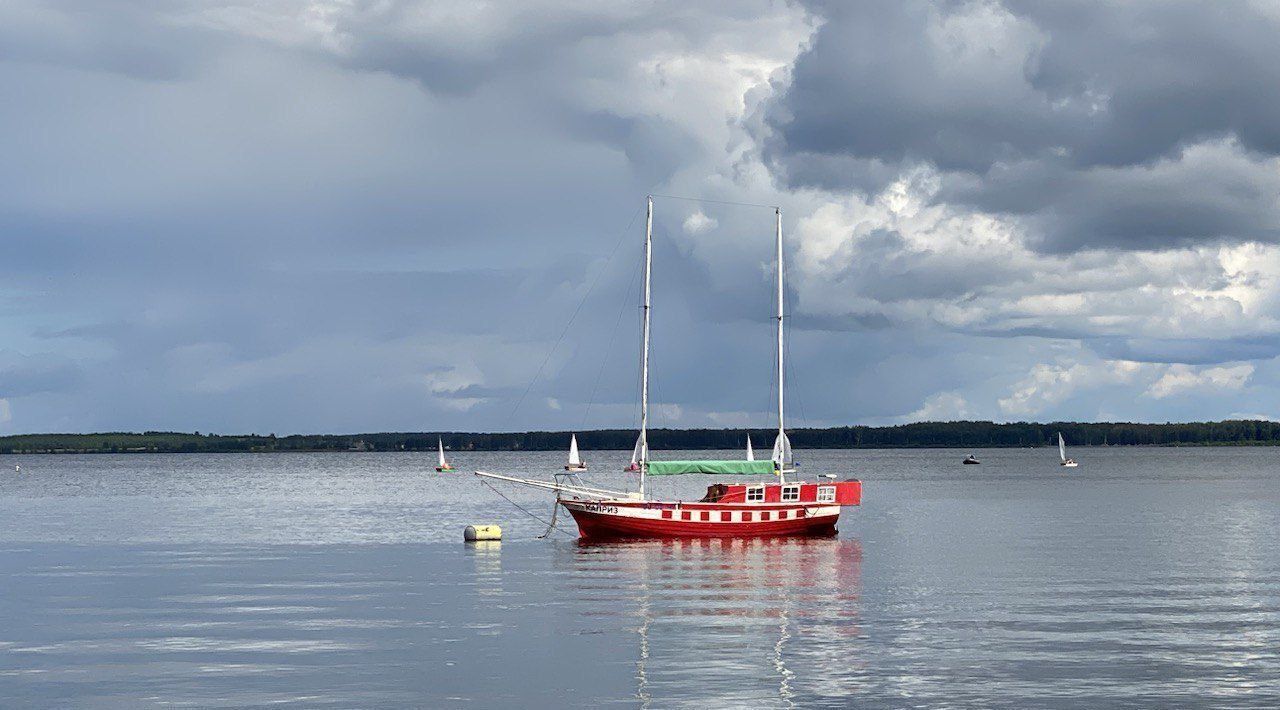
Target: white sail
{"points": [[751, 455], [638, 454], [574, 459], [782, 450], [1062, 447], [440, 447]]}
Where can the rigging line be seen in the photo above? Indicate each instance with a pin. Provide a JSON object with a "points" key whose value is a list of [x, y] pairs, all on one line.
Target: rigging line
{"points": [[796, 397], [522, 509], [639, 373], [716, 202], [613, 336], [656, 414], [789, 333], [773, 371], [567, 326]]}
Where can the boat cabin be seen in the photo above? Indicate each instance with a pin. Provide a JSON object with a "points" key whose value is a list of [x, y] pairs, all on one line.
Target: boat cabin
{"points": [[847, 492]]}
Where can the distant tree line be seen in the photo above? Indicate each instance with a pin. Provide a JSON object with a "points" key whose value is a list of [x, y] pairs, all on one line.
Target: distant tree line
{"points": [[966, 434]]}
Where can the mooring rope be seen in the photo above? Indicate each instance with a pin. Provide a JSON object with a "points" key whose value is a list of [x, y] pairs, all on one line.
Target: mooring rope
{"points": [[550, 525], [555, 508]]}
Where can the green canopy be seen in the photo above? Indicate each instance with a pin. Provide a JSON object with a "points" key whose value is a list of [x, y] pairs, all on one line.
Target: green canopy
{"points": [[671, 468]]}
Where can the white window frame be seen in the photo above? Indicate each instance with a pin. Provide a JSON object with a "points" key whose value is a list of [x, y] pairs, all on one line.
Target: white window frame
{"points": [[790, 494], [755, 494], [826, 494]]}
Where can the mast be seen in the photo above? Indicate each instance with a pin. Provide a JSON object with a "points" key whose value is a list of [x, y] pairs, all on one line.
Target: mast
{"points": [[782, 432], [644, 353]]}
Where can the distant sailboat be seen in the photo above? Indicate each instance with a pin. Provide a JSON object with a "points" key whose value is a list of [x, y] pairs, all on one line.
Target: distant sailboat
{"points": [[638, 454], [575, 461], [443, 463], [1062, 453], [751, 455]]}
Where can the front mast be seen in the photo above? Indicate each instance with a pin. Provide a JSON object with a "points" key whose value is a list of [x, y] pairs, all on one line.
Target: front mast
{"points": [[644, 353], [782, 432]]}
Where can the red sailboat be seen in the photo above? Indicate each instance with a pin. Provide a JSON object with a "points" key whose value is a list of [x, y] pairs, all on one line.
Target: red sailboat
{"points": [[774, 508]]}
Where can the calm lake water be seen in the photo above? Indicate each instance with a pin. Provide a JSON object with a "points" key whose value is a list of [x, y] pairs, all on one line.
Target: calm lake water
{"points": [[1144, 578]]}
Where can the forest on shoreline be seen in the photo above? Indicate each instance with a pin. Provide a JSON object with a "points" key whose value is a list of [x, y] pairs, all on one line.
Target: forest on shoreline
{"points": [[962, 434]]}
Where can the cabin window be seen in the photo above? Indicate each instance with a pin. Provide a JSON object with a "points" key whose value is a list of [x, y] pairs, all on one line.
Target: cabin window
{"points": [[790, 494], [684, 515], [746, 517], [764, 516], [826, 494], [726, 517], [705, 516], [666, 515], [755, 494], [782, 514]]}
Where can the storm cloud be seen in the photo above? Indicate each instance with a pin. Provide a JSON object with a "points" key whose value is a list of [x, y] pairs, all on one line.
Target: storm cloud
{"points": [[346, 216], [1125, 125]]}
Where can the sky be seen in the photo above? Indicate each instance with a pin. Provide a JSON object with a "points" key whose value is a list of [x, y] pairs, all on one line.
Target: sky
{"points": [[291, 216]]}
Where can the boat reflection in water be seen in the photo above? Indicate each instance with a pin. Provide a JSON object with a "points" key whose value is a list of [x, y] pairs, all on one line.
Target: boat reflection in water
{"points": [[729, 621], [487, 557]]}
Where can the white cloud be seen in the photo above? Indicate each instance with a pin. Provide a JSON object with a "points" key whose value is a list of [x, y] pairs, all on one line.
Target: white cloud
{"points": [[736, 419], [1180, 378], [943, 406], [666, 414], [1254, 416], [697, 223], [6, 413], [903, 254], [1049, 384]]}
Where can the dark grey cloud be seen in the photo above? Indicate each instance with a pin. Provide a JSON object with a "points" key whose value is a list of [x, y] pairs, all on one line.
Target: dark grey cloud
{"points": [[1204, 193], [1132, 125], [333, 216], [127, 38], [22, 375], [1188, 350]]}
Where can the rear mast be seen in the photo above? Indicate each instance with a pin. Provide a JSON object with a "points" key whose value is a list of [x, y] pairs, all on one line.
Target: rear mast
{"points": [[644, 353], [782, 432]]}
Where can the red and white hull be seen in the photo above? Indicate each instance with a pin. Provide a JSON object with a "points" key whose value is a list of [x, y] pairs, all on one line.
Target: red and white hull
{"points": [[605, 519]]}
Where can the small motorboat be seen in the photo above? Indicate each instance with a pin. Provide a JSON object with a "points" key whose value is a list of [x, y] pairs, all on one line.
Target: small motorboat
{"points": [[575, 461], [971, 460]]}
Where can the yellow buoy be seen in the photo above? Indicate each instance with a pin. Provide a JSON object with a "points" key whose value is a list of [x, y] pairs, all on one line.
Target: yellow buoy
{"points": [[474, 533]]}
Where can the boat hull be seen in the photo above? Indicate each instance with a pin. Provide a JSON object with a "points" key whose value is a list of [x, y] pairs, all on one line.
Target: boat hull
{"points": [[601, 520]]}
